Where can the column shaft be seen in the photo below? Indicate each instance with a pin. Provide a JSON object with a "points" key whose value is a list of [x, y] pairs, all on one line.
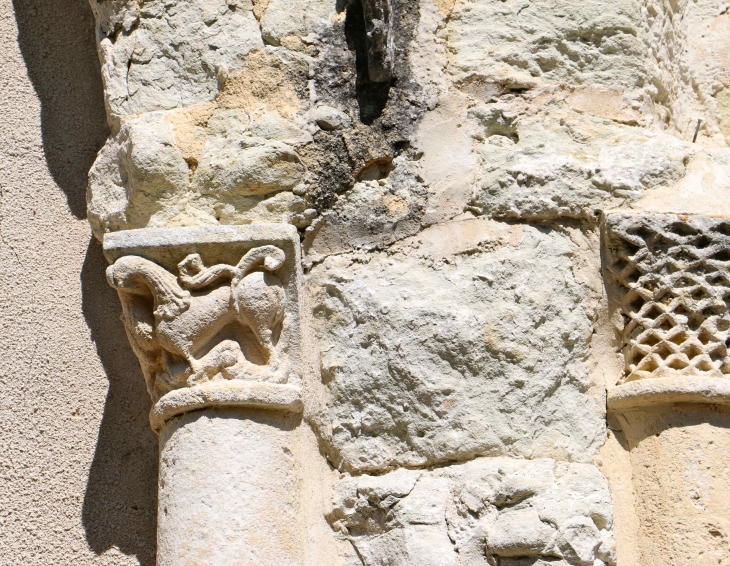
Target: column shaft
{"points": [[227, 490]]}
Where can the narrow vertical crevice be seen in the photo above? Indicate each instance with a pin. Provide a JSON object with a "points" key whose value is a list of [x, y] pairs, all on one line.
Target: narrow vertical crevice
{"points": [[372, 96]]}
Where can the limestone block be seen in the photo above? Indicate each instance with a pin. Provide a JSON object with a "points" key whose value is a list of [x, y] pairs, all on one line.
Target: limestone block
{"points": [[704, 189], [459, 514], [159, 54], [689, 43], [558, 162], [246, 167], [329, 118], [506, 561], [272, 126], [138, 167], [201, 166], [300, 18], [578, 42], [153, 164], [520, 532], [469, 339]]}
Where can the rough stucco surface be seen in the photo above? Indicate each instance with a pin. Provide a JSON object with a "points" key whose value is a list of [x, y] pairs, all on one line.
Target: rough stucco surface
{"points": [[78, 462]]}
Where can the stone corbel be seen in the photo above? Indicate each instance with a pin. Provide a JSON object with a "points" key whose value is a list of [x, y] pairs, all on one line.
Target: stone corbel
{"points": [[213, 313], [669, 276]]}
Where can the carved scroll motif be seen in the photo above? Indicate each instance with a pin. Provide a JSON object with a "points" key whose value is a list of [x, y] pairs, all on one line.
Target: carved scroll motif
{"points": [[207, 323], [673, 279]]}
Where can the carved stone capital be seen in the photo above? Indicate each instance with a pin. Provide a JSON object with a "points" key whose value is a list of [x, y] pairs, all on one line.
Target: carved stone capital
{"points": [[669, 277], [212, 313]]}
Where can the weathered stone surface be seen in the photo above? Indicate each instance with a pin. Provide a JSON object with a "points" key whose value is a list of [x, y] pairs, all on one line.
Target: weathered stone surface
{"points": [[446, 164], [329, 118], [468, 339], [162, 170], [487, 510], [372, 214], [586, 42], [704, 189], [302, 19], [160, 55], [559, 163], [560, 124], [689, 43], [247, 167], [227, 481]]}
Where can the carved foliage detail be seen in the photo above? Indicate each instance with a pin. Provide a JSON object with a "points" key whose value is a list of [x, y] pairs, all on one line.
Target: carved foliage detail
{"points": [[219, 322], [673, 279]]}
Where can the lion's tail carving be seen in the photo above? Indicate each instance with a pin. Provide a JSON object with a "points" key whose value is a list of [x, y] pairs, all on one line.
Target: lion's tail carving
{"points": [[271, 257], [139, 276], [194, 275]]}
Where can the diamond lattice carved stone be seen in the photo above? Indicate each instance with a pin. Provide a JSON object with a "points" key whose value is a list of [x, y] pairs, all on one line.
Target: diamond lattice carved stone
{"points": [[672, 277]]}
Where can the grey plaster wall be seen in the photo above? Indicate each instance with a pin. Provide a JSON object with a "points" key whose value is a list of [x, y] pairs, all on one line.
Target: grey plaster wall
{"points": [[78, 462]]}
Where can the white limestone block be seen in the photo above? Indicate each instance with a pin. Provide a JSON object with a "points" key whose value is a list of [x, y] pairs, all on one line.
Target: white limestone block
{"points": [[459, 342], [452, 515]]}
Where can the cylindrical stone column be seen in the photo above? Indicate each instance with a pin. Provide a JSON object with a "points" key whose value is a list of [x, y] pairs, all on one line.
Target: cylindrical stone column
{"points": [[227, 492], [678, 454], [668, 278], [213, 315]]}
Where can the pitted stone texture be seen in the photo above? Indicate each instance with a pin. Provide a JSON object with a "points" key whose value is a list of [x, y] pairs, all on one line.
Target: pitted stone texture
{"points": [[668, 58], [165, 54], [486, 512], [468, 339], [287, 19], [218, 166], [579, 42], [689, 42], [559, 163], [674, 292]]}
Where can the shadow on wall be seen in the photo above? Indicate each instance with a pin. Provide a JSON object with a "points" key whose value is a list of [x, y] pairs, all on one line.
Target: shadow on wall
{"points": [[120, 505], [56, 38]]}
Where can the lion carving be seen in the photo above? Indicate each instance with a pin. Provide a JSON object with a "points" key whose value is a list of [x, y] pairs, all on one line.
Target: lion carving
{"points": [[207, 322]]}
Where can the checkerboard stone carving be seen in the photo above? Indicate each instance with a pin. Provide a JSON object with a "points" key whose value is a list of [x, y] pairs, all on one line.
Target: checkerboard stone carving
{"points": [[672, 275]]}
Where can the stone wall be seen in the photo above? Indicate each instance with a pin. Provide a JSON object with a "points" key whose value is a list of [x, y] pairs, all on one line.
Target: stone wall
{"points": [[457, 172]]}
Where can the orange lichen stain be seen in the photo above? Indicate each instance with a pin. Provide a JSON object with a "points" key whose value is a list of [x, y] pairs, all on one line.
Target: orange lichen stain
{"points": [[266, 81]]}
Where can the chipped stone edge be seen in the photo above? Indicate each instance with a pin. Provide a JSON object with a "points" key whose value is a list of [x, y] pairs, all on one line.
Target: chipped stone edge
{"points": [[663, 390], [244, 394], [125, 242]]}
